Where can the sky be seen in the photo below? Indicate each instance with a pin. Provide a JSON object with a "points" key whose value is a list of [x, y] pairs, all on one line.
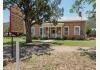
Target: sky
{"points": [[66, 4]]}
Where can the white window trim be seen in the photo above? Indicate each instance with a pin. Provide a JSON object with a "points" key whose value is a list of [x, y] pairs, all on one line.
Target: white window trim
{"points": [[33, 29], [64, 29], [75, 31]]}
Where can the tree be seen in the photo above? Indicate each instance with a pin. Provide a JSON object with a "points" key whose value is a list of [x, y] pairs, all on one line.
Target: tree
{"points": [[88, 30], [6, 27], [56, 11], [36, 10], [91, 23], [82, 4]]}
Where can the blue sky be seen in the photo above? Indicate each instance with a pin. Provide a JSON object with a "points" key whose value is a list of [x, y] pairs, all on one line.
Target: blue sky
{"points": [[66, 4]]}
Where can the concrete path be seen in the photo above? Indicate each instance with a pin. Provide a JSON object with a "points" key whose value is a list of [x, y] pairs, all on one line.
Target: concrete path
{"points": [[46, 40], [68, 48]]}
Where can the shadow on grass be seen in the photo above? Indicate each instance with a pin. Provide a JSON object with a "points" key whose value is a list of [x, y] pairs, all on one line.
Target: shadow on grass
{"points": [[56, 43]]}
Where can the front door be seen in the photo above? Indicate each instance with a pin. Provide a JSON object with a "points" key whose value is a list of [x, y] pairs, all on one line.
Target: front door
{"points": [[53, 32]]}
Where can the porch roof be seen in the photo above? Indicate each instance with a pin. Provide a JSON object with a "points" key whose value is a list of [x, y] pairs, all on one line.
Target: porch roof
{"points": [[52, 25]]}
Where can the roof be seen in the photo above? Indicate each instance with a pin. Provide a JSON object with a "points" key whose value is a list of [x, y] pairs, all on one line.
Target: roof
{"points": [[60, 23], [51, 25], [72, 21]]}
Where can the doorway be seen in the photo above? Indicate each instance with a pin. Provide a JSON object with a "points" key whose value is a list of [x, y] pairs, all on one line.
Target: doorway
{"points": [[53, 32]]}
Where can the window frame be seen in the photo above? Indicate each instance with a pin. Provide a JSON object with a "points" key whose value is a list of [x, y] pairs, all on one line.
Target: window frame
{"points": [[64, 29], [33, 30], [75, 30]]}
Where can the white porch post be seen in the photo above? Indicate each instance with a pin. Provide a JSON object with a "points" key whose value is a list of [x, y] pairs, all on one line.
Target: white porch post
{"points": [[42, 31], [61, 32], [48, 32], [56, 32]]}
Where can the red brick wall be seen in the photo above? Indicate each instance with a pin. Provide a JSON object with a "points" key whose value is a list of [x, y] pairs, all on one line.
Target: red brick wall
{"points": [[71, 25], [37, 27]]}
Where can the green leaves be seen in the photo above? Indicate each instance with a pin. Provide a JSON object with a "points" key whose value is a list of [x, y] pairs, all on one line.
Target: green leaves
{"points": [[81, 5], [57, 12], [38, 10]]}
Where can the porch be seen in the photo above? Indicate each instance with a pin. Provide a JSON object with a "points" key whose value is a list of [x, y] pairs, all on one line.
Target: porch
{"points": [[48, 30]]}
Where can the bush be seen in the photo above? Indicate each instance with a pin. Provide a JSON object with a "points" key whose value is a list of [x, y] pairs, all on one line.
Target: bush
{"points": [[93, 33], [65, 37], [45, 38], [90, 32], [35, 37], [80, 38], [72, 38]]}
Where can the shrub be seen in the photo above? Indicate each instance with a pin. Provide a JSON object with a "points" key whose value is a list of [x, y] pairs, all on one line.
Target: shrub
{"points": [[35, 38], [93, 33], [72, 38], [88, 31], [58, 38], [80, 38]]}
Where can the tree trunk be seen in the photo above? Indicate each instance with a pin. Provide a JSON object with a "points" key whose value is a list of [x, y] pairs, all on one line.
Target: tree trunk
{"points": [[28, 32]]}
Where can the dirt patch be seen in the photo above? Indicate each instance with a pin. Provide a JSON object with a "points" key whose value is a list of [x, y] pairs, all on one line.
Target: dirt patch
{"points": [[56, 61], [61, 58]]}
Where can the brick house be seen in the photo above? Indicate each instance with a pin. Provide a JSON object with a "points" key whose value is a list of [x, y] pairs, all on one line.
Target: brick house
{"points": [[69, 29]]}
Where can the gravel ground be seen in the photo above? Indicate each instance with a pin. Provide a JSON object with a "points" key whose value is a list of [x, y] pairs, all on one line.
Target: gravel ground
{"points": [[61, 58], [56, 61]]}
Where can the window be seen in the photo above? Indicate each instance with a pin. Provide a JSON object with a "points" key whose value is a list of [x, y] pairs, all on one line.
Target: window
{"points": [[32, 31], [77, 30], [40, 30], [66, 30], [43, 31]]}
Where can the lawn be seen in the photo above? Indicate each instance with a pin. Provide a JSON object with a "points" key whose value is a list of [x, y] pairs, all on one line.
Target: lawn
{"points": [[81, 43], [7, 40]]}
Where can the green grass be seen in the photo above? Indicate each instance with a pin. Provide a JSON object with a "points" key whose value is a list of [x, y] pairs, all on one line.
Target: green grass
{"points": [[82, 43], [7, 40]]}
